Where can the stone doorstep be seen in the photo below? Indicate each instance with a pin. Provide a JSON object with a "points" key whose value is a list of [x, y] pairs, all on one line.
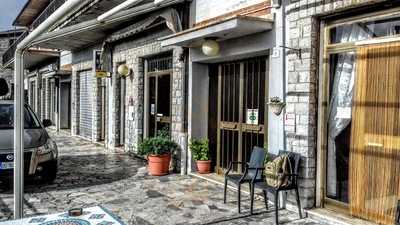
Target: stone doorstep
{"points": [[331, 217], [220, 180]]}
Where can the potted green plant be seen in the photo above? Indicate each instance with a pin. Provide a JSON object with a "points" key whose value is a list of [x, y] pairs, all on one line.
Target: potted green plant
{"points": [[201, 153], [276, 105], [158, 151]]}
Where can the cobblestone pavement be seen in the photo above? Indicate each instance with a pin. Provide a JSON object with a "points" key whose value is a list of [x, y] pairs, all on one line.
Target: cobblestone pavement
{"points": [[89, 175]]}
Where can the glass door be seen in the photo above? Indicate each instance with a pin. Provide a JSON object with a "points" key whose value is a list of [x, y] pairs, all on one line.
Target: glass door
{"points": [[159, 104]]}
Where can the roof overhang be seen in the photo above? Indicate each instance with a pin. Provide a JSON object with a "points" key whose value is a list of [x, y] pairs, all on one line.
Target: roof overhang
{"points": [[33, 57], [87, 33], [222, 30], [29, 12]]}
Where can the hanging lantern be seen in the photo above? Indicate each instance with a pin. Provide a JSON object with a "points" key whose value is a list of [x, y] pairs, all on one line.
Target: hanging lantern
{"points": [[124, 70], [210, 47]]}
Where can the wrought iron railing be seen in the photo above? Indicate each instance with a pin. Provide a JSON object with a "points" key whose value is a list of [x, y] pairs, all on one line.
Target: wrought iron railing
{"points": [[9, 53], [50, 9]]}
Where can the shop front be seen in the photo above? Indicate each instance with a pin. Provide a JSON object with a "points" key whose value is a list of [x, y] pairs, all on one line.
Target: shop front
{"points": [[359, 116], [230, 83]]}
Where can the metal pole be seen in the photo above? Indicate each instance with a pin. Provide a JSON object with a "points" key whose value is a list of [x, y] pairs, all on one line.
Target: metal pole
{"points": [[59, 14], [18, 136]]}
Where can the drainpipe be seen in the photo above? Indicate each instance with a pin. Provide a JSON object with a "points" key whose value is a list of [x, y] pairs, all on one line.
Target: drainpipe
{"points": [[116, 9], [59, 14]]}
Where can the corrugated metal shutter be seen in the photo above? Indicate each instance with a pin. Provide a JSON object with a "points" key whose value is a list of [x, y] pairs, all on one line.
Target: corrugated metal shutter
{"points": [[85, 100]]}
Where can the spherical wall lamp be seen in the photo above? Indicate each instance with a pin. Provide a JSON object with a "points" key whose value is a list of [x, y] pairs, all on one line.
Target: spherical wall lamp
{"points": [[124, 70], [210, 47]]}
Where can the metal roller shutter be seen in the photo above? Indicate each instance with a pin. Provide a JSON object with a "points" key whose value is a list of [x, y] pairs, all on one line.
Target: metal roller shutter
{"points": [[85, 100]]}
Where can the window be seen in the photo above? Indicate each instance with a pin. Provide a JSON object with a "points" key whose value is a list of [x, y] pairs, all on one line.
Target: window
{"points": [[7, 117]]}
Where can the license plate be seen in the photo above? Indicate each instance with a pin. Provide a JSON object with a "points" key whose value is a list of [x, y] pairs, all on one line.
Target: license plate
{"points": [[6, 165]]}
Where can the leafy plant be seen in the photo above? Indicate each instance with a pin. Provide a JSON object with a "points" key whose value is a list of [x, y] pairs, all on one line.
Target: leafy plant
{"points": [[275, 100], [200, 150], [158, 145]]}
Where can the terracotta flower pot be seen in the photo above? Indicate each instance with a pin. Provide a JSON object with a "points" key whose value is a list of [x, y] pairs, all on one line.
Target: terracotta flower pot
{"points": [[203, 167], [159, 164]]}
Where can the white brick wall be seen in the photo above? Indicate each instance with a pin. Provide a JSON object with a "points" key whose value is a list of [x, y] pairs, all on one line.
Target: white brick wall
{"points": [[206, 9]]}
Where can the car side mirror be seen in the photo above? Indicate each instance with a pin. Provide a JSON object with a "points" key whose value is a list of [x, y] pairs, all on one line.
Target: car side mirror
{"points": [[4, 89], [47, 123]]}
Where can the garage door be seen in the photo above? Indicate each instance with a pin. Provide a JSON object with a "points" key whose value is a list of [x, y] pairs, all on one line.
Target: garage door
{"points": [[85, 100]]}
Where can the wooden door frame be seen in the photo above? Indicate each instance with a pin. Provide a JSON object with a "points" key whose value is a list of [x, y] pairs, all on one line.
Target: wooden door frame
{"points": [[326, 50], [218, 168]]}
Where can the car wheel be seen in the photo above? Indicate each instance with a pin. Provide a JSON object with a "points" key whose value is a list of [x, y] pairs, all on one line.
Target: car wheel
{"points": [[49, 173]]}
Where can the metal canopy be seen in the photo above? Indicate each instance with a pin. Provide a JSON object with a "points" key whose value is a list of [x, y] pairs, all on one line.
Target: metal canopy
{"points": [[222, 30], [87, 33]]}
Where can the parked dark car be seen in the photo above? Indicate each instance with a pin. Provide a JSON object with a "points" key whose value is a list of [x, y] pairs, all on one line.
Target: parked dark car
{"points": [[41, 154]]}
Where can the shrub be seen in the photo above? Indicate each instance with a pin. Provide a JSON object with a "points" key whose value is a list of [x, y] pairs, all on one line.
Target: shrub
{"points": [[158, 145], [200, 150]]}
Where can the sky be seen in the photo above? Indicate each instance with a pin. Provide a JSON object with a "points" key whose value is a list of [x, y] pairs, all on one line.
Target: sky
{"points": [[9, 9]]}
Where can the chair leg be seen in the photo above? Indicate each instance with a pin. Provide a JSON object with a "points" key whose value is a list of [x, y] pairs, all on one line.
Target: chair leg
{"points": [[251, 198], [225, 186], [265, 199], [298, 201], [238, 200], [276, 207]]}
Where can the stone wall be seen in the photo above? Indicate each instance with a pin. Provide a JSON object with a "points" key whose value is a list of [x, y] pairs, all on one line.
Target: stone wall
{"points": [[301, 112], [133, 54]]}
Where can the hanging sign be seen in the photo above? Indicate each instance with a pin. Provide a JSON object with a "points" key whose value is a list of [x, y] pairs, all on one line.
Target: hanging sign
{"points": [[252, 116], [98, 64]]}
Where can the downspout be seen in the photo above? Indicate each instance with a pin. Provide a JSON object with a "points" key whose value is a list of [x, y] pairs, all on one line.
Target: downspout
{"points": [[60, 13]]}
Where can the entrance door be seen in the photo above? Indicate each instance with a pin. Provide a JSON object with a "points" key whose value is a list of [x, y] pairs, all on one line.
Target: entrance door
{"points": [[375, 134], [159, 104], [241, 110], [65, 105]]}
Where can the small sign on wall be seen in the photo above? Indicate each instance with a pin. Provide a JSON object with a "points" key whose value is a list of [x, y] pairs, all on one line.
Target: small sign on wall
{"points": [[131, 113], [252, 116], [343, 113]]}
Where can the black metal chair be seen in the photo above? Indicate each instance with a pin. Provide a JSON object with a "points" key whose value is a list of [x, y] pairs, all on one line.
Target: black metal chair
{"points": [[256, 162], [261, 184]]}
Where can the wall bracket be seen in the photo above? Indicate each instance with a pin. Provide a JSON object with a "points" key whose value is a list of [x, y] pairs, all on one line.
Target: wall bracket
{"points": [[297, 50]]}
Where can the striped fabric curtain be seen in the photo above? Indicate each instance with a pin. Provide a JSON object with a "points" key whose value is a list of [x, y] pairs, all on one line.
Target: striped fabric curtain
{"points": [[375, 141]]}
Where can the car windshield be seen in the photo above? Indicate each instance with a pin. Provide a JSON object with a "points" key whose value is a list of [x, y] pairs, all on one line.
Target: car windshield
{"points": [[7, 117]]}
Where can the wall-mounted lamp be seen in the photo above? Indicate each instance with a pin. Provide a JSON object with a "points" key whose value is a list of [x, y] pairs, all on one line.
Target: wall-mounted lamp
{"points": [[124, 70], [210, 47]]}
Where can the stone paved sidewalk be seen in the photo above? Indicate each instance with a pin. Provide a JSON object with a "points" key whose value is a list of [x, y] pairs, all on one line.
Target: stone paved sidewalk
{"points": [[89, 175]]}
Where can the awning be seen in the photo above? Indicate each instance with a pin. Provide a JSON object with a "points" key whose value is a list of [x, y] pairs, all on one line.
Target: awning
{"points": [[36, 56], [235, 27], [87, 33]]}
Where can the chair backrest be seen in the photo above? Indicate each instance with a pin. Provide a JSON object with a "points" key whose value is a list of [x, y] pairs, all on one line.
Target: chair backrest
{"points": [[294, 162], [257, 159]]}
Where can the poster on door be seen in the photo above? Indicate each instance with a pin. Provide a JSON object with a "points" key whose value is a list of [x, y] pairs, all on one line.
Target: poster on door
{"points": [[252, 116]]}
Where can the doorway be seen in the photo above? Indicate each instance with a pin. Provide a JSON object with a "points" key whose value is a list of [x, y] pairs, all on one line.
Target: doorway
{"points": [[158, 95], [361, 151], [65, 105], [241, 110]]}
